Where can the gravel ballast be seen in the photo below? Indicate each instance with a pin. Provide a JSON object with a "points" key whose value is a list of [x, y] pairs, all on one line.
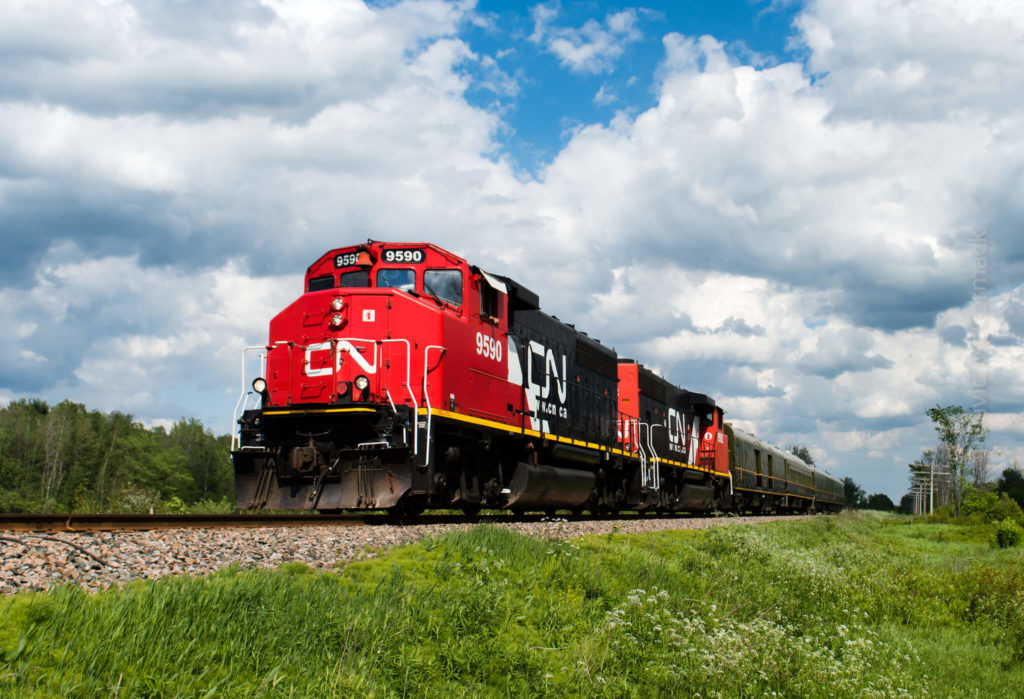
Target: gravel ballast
{"points": [[98, 560]]}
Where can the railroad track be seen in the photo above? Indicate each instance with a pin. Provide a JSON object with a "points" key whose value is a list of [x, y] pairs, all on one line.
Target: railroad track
{"points": [[86, 522]]}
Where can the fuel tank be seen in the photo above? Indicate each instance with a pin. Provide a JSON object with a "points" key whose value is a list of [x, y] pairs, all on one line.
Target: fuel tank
{"points": [[548, 487]]}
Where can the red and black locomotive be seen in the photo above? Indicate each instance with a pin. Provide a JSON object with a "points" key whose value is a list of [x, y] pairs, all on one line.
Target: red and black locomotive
{"points": [[405, 378]]}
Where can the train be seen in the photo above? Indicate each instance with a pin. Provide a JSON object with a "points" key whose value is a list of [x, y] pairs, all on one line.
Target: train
{"points": [[404, 378]]}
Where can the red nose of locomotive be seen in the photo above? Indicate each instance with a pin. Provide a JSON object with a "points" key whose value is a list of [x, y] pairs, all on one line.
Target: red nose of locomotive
{"points": [[349, 338]]}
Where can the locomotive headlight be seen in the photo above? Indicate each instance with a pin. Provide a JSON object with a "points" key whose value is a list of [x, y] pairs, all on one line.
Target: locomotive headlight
{"points": [[338, 303], [361, 382], [259, 385], [337, 319]]}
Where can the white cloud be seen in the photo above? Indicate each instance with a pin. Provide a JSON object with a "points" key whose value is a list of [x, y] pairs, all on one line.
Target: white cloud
{"points": [[917, 59], [591, 48], [162, 330], [497, 80], [605, 96], [1005, 422]]}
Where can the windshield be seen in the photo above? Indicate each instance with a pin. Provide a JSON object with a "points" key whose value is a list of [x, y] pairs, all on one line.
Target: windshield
{"points": [[445, 284], [402, 279]]}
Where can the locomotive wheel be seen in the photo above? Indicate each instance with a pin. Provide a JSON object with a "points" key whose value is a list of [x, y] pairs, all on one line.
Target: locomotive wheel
{"points": [[470, 509]]}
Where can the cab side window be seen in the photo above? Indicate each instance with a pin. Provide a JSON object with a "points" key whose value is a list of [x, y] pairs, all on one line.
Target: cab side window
{"points": [[321, 283], [488, 301], [445, 284]]}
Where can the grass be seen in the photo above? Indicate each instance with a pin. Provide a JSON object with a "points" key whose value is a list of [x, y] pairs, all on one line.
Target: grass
{"points": [[856, 605]]}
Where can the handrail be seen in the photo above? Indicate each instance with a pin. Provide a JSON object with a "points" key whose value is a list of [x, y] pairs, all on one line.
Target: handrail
{"points": [[408, 387], [242, 402], [426, 395], [644, 476], [657, 461]]}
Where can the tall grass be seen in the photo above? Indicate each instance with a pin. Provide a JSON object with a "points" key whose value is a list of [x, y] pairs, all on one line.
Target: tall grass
{"points": [[838, 606]]}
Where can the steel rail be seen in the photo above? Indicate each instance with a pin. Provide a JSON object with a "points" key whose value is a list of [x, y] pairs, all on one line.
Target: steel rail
{"points": [[119, 522], [90, 522]]}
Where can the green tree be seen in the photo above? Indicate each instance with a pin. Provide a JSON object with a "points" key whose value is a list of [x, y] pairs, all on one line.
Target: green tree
{"points": [[803, 453], [977, 501], [67, 458], [880, 501], [853, 494], [1007, 508], [1012, 483], [959, 431], [207, 461]]}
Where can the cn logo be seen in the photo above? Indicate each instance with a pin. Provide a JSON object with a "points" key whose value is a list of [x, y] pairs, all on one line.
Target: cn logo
{"points": [[545, 399], [313, 354], [682, 439], [676, 432]]}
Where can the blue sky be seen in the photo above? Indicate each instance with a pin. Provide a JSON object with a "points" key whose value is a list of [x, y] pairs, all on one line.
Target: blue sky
{"points": [[554, 97], [809, 210]]}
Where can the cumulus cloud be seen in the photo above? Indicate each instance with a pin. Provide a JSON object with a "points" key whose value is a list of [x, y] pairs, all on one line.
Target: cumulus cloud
{"points": [[121, 336], [591, 48]]}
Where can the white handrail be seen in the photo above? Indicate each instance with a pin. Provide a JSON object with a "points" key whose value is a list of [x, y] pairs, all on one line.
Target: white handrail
{"points": [[408, 387], [241, 402], [426, 396], [657, 460], [644, 478]]}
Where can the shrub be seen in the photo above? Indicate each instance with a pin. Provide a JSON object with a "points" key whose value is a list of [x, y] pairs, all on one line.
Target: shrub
{"points": [[174, 506], [1007, 508], [978, 502], [11, 501], [1008, 533], [133, 498], [943, 515], [209, 506]]}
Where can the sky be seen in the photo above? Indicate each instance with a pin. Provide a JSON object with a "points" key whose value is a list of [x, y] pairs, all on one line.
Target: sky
{"points": [[809, 210]]}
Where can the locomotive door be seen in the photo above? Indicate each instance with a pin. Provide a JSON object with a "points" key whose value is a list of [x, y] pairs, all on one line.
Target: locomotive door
{"points": [[502, 355], [525, 412]]}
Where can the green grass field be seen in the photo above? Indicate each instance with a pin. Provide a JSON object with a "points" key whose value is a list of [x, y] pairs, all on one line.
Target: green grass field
{"points": [[854, 605]]}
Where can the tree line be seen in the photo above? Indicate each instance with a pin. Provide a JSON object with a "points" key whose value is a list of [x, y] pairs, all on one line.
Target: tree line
{"points": [[954, 478], [65, 458]]}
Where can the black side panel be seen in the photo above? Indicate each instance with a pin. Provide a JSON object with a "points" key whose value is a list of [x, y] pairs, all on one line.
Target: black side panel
{"points": [[571, 380], [678, 417], [596, 358], [653, 386]]}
